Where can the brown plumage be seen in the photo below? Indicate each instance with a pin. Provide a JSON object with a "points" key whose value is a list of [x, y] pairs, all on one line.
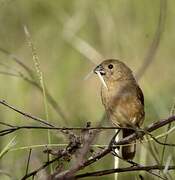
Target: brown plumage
{"points": [[123, 99]]}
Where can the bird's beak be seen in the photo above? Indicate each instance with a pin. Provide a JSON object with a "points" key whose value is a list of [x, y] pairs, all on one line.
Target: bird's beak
{"points": [[99, 69]]}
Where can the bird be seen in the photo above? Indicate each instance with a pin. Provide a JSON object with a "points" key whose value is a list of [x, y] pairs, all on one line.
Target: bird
{"points": [[123, 100]]}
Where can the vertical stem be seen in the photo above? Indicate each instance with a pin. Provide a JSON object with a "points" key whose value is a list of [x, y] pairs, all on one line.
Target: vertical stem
{"points": [[116, 159]]}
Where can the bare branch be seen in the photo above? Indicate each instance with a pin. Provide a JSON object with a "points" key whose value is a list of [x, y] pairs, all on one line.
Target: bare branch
{"points": [[28, 161], [33, 82], [26, 114], [127, 169], [83, 151]]}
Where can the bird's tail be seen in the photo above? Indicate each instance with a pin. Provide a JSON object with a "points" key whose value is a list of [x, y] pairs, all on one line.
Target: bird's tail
{"points": [[128, 151]]}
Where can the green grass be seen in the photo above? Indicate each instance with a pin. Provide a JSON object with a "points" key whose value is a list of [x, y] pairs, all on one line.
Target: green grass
{"points": [[70, 37]]}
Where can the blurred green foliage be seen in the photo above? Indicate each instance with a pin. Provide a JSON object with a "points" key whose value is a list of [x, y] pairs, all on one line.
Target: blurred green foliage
{"points": [[60, 31]]}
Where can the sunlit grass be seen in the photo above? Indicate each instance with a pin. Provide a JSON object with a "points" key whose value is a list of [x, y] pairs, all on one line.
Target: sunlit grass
{"points": [[70, 38], [41, 80]]}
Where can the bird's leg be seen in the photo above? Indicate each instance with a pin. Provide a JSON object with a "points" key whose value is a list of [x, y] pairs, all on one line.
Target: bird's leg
{"points": [[139, 133]]}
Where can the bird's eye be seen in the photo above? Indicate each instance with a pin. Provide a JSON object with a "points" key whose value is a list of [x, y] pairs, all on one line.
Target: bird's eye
{"points": [[110, 66]]}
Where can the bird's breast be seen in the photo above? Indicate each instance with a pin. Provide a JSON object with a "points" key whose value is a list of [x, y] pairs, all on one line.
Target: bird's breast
{"points": [[122, 104]]}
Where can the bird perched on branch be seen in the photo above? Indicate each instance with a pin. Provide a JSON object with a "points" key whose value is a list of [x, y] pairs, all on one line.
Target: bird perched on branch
{"points": [[122, 98]]}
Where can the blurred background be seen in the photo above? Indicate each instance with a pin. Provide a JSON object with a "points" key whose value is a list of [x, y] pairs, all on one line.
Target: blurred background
{"points": [[70, 38]]}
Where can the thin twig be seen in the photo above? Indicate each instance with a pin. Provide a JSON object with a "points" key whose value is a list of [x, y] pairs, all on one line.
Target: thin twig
{"points": [[129, 139], [107, 150], [119, 170], [33, 173], [136, 164], [153, 126], [33, 81], [28, 161], [166, 137], [3, 102]]}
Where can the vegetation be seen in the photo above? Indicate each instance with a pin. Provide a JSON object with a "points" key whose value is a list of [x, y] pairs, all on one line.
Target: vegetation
{"points": [[63, 41]]}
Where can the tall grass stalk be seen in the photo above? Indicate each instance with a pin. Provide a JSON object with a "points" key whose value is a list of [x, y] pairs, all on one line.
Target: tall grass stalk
{"points": [[11, 143], [116, 159], [172, 112], [41, 81]]}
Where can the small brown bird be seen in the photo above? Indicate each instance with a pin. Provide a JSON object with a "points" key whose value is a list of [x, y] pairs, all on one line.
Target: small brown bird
{"points": [[122, 98]]}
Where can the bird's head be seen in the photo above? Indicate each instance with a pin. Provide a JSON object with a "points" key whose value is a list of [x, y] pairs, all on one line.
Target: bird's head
{"points": [[113, 70]]}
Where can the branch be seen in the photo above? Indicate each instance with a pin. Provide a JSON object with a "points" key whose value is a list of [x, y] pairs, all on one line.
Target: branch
{"points": [[33, 173], [85, 148], [127, 169], [109, 149], [33, 82], [129, 139], [147, 130], [26, 114], [65, 153], [80, 159]]}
